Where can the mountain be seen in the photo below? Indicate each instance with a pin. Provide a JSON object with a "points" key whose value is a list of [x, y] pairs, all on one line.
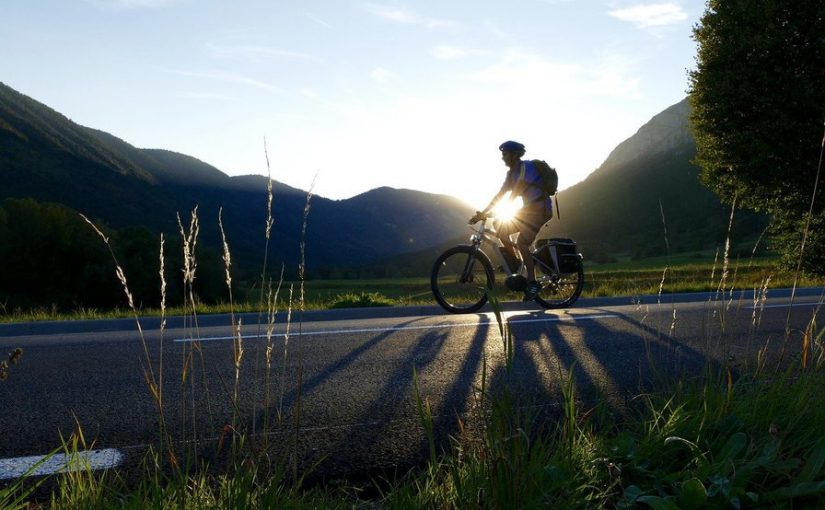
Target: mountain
{"points": [[46, 156], [646, 197]]}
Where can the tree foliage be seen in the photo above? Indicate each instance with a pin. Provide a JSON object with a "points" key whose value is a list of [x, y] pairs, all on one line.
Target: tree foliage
{"points": [[758, 97], [50, 257]]}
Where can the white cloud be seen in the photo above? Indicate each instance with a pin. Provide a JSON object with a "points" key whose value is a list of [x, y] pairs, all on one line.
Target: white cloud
{"points": [[381, 75], [226, 78], [405, 16], [447, 52], [131, 4], [254, 52], [317, 20], [651, 15], [209, 96], [527, 76]]}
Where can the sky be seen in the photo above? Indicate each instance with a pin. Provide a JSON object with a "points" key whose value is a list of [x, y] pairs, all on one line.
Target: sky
{"points": [[357, 94]]}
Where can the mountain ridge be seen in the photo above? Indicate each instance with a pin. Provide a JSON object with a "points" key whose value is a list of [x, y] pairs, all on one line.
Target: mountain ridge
{"points": [[45, 156], [647, 185]]}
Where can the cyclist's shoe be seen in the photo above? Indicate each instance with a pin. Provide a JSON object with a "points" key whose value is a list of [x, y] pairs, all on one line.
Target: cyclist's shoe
{"points": [[531, 291]]}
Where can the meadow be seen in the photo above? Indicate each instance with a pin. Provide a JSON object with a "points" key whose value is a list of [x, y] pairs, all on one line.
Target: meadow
{"points": [[689, 272]]}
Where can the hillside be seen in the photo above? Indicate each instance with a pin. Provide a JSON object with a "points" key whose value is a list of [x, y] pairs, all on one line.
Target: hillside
{"points": [[619, 208], [46, 156]]}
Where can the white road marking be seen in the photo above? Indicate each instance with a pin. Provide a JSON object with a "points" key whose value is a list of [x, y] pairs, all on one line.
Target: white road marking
{"points": [[15, 467], [566, 318], [788, 305]]}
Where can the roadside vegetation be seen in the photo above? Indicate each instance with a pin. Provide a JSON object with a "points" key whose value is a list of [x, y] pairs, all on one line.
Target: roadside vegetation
{"points": [[691, 272]]}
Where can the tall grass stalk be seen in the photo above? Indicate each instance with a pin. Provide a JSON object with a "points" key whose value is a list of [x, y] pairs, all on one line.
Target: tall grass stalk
{"points": [[237, 333], [164, 440], [805, 231], [193, 348], [299, 370], [284, 358], [265, 284], [272, 310], [726, 258], [152, 382]]}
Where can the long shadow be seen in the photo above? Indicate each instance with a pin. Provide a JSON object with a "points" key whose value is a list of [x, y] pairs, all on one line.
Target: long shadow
{"points": [[290, 396], [389, 444], [607, 364]]}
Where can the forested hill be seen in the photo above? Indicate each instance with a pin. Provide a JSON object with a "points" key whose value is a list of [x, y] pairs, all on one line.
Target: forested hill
{"points": [[648, 184], [47, 157]]}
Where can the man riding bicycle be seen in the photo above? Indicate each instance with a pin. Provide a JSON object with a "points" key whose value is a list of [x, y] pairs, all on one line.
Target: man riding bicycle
{"points": [[522, 180]]}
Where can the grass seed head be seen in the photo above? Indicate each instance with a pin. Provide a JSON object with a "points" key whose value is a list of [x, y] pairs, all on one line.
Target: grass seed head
{"points": [[15, 355]]}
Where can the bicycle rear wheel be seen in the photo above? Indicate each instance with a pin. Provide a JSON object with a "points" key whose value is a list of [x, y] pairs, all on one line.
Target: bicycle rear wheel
{"points": [[559, 290], [460, 278]]}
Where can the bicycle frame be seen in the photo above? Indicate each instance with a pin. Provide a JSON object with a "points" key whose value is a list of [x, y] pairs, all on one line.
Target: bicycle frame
{"points": [[461, 274], [484, 235]]}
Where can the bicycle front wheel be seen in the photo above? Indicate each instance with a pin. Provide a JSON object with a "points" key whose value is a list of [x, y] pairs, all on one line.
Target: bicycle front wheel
{"points": [[559, 290], [460, 278]]}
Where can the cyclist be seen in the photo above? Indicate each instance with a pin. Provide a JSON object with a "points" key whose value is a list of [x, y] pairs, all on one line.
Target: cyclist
{"points": [[522, 180]]}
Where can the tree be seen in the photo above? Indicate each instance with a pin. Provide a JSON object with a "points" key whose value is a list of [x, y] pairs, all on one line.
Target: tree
{"points": [[758, 98]]}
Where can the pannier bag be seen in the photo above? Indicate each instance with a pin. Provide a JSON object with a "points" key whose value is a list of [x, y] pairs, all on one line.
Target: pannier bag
{"points": [[559, 253]]}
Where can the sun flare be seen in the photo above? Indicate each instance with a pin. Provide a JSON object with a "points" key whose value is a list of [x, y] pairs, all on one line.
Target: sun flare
{"points": [[506, 210]]}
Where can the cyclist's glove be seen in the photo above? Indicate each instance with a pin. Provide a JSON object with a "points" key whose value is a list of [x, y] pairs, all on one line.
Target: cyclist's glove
{"points": [[478, 216]]}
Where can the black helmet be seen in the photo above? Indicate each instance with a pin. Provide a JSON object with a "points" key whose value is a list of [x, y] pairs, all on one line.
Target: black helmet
{"points": [[511, 146]]}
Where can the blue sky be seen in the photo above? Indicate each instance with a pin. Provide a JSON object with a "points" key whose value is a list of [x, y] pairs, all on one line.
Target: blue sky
{"points": [[410, 94]]}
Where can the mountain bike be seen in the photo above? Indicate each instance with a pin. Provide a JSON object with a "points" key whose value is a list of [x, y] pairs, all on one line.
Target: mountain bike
{"points": [[462, 276]]}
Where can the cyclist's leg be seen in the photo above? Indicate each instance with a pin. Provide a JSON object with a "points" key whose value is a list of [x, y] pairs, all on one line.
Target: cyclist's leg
{"points": [[504, 231], [529, 221]]}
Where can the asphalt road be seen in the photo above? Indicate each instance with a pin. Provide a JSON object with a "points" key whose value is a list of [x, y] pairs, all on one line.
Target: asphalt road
{"points": [[340, 389]]}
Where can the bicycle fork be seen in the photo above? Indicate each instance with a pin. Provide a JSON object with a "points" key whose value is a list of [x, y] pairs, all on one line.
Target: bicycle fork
{"points": [[467, 272]]}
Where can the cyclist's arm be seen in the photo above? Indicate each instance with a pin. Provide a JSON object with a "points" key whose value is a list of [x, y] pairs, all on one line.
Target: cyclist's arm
{"points": [[495, 200]]}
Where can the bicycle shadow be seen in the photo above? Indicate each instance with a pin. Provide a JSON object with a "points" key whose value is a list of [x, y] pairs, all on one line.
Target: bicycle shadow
{"points": [[601, 370]]}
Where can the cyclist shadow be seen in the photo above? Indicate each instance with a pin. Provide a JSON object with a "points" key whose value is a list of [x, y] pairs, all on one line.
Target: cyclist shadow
{"points": [[389, 444], [609, 362]]}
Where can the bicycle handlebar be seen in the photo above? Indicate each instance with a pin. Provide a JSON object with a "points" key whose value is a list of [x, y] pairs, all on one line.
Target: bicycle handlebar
{"points": [[479, 216]]}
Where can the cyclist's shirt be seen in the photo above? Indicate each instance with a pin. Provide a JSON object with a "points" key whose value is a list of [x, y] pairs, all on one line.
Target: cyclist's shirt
{"points": [[533, 194]]}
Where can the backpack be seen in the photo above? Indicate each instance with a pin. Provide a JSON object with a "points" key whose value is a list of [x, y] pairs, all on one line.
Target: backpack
{"points": [[549, 177]]}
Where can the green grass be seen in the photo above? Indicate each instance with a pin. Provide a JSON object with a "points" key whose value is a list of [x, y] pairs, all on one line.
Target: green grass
{"points": [[629, 278]]}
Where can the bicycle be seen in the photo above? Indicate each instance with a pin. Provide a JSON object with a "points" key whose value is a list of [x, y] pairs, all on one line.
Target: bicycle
{"points": [[462, 275]]}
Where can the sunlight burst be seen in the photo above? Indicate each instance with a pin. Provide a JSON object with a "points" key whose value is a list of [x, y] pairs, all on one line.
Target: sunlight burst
{"points": [[506, 210]]}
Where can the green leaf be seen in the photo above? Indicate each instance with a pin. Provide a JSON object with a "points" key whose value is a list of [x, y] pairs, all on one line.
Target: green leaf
{"points": [[658, 503], [632, 493], [733, 447], [813, 463], [796, 491], [693, 494]]}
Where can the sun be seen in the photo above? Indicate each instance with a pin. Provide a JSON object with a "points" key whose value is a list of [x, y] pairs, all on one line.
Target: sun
{"points": [[506, 210]]}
